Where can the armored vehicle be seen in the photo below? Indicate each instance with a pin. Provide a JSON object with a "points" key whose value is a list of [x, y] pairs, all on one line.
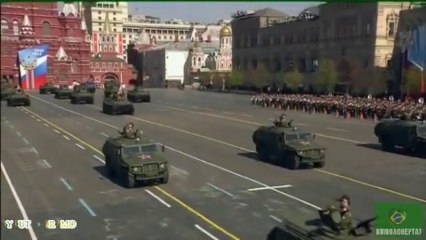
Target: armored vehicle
{"points": [[138, 94], [132, 157], [285, 144], [80, 94], [7, 90], [111, 87], [409, 134], [47, 88], [64, 92], [117, 105], [19, 98]]}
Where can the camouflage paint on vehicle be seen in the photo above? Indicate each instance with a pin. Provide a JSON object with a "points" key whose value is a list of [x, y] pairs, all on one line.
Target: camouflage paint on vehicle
{"points": [[138, 94]]}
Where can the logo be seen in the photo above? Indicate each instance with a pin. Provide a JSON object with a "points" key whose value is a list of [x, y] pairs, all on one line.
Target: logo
{"points": [[399, 219], [397, 216], [145, 156]]}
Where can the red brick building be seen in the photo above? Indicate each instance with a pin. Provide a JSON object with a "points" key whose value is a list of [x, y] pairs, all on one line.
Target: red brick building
{"points": [[106, 64], [24, 25]]}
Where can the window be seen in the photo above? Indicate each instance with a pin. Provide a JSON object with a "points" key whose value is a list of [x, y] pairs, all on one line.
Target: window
{"points": [[131, 151], [74, 66], [15, 27], [391, 23], [99, 18], [113, 13], [367, 29], [115, 30], [391, 30], [4, 26], [114, 19], [99, 12], [100, 29], [45, 29]]}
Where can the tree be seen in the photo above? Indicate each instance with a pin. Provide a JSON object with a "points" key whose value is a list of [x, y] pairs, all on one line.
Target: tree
{"points": [[260, 76], [412, 80], [325, 76], [293, 79], [236, 78]]}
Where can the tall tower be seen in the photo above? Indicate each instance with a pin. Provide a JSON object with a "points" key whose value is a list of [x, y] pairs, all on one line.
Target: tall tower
{"points": [[107, 38], [224, 61]]}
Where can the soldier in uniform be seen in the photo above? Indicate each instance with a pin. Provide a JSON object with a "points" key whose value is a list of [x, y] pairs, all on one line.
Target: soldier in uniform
{"points": [[339, 219], [129, 131]]}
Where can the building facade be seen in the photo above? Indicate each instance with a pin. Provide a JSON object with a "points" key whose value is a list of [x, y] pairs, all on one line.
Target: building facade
{"points": [[118, 13], [355, 36], [24, 25]]}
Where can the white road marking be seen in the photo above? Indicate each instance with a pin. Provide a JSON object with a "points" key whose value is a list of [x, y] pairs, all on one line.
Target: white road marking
{"points": [[46, 163], [179, 170], [99, 159], [46, 125], [34, 150], [32, 116], [56, 131], [195, 107], [87, 207], [66, 184], [88, 127], [67, 138], [60, 115], [336, 129], [25, 140], [104, 134], [225, 112], [268, 188], [18, 133], [77, 122], [38, 120], [209, 109], [78, 145], [18, 201], [221, 190], [158, 198], [247, 115], [205, 232], [275, 218], [26, 112]]}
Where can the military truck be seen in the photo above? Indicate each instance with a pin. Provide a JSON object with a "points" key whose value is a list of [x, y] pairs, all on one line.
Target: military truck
{"points": [[290, 146], [111, 87], [47, 88], [131, 157], [19, 98], [63, 92], [408, 134], [7, 90], [80, 95], [138, 94], [117, 104]]}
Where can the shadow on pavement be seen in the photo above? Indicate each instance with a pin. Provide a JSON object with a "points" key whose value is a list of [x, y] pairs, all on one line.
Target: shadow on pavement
{"points": [[253, 156], [400, 151], [120, 182]]}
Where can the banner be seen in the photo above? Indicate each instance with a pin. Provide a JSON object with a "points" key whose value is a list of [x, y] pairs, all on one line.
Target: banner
{"points": [[33, 66], [399, 219], [417, 48]]}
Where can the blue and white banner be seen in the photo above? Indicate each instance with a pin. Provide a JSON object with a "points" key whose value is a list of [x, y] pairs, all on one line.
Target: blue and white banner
{"points": [[417, 49]]}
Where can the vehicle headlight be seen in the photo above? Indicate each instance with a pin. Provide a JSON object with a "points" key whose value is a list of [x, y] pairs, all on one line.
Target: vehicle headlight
{"points": [[322, 151], [162, 165], [136, 169], [300, 152]]}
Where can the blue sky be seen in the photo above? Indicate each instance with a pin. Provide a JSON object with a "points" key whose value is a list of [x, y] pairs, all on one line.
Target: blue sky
{"points": [[209, 12]]}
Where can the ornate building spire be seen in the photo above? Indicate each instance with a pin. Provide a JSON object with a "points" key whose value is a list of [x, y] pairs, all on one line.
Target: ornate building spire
{"points": [[107, 25], [27, 30], [69, 8], [61, 54]]}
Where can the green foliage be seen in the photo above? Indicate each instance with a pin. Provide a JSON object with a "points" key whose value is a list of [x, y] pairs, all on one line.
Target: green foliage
{"points": [[370, 81], [325, 76], [260, 76], [293, 79], [236, 78]]}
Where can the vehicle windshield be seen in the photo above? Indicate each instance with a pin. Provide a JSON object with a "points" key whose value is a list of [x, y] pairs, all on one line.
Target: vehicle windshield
{"points": [[291, 137], [131, 151], [422, 130], [305, 136], [149, 148]]}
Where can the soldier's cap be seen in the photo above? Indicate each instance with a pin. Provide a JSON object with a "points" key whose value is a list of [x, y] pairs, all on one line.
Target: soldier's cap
{"points": [[345, 197]]}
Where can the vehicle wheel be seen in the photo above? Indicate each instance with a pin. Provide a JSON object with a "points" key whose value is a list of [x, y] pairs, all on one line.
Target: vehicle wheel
{"points": [[165, 179], [72, 101], [130, 181], [294, 162], [149, 99], [319, 164], [263, 155]]}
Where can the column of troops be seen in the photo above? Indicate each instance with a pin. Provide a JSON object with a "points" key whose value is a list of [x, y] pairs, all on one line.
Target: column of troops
{"points": [[345, 106]]}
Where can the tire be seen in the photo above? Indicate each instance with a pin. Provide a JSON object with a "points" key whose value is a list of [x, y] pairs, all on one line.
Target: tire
{"points": [[165, 179], [91, 101], [130, 181], [319, 164], [294, 162]]}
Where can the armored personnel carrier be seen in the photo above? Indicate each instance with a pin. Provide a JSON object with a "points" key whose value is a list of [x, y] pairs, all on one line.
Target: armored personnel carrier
{"points": [[63, 92], [117, 105], [80, 94], [138, 94], [290, 146], [7, 90], [47, 88], [19, 98], [132, 157], [111, 87], [408, 134]]}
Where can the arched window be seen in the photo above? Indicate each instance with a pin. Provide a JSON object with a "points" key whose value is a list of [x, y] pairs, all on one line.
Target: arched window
{"points": [[15, 27], [199, 60], [45, 28], [74, 66], [4, 26], [391, 23], [194, 62]]}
